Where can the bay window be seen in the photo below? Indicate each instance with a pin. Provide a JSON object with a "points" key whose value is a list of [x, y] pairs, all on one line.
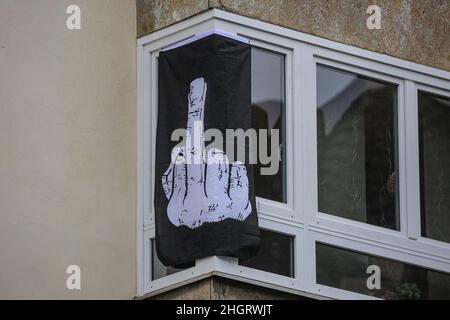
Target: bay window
{"points": [[364, 172]]}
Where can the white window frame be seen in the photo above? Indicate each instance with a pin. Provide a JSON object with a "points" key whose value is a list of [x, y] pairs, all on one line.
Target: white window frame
{"points": [[299, 217]]}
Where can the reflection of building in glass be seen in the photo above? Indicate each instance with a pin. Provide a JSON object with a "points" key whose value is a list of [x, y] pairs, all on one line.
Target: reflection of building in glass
{"points": [[268, 186], [434, 142], [268, 110], [346, 269], [356, 149]]}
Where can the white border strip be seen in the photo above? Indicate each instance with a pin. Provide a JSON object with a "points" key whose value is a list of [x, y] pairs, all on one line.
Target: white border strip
{"points": [[204, 35]]}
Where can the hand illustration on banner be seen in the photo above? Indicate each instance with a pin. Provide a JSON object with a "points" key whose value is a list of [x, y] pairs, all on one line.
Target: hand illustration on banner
{"points": [[207, 189]]}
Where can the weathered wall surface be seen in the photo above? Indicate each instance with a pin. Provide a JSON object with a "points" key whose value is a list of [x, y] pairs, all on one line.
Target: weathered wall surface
{"points": [[67, 149], [413, 30], [218, 288], [153, 15]]}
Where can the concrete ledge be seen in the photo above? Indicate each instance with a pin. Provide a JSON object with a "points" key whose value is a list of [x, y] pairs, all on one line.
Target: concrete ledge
{"points": [[219, 288]]}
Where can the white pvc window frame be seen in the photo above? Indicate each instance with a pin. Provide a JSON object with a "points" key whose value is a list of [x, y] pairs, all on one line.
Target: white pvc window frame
{"points": [[299, 217]]}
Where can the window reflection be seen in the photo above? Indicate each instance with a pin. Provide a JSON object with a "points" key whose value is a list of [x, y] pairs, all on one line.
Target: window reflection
{"points": [[434, 150], [159, 270], [276, 254], [268, 95], [356, 148], [347, 270]]}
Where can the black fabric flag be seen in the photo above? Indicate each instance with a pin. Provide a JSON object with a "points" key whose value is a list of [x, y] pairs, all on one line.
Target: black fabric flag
{"points": [[204, 202]]}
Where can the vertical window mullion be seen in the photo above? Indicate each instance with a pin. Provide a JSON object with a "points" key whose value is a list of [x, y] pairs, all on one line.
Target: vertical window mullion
{"points": [[306, 150], [411, 192], [401, 158]]}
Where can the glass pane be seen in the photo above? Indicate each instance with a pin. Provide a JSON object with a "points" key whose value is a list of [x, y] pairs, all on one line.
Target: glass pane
{"points": [[347, 270], [434, 150], [276, 254], [268, 95], [357, 148], [158, 269]]}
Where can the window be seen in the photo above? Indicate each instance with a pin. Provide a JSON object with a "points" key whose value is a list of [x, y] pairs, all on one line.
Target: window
{"points": [[159, 270], [364, 174], [268, 112], [434, 150], [346, 269], [356, 147], [275, 255]]}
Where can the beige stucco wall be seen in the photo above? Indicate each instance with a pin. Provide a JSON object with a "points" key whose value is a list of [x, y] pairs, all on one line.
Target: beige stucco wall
{"points": [[410, 29], [67, 149]]}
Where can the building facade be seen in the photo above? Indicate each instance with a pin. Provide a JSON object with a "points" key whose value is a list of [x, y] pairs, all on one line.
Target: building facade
{"points": [[364, 177]]}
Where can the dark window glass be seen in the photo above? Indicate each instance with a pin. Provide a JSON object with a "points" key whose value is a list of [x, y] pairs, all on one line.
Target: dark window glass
{"points": [[357, 148], [347, 270], [276, 254], [268, 110], [434, 150], [158, 269]]}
